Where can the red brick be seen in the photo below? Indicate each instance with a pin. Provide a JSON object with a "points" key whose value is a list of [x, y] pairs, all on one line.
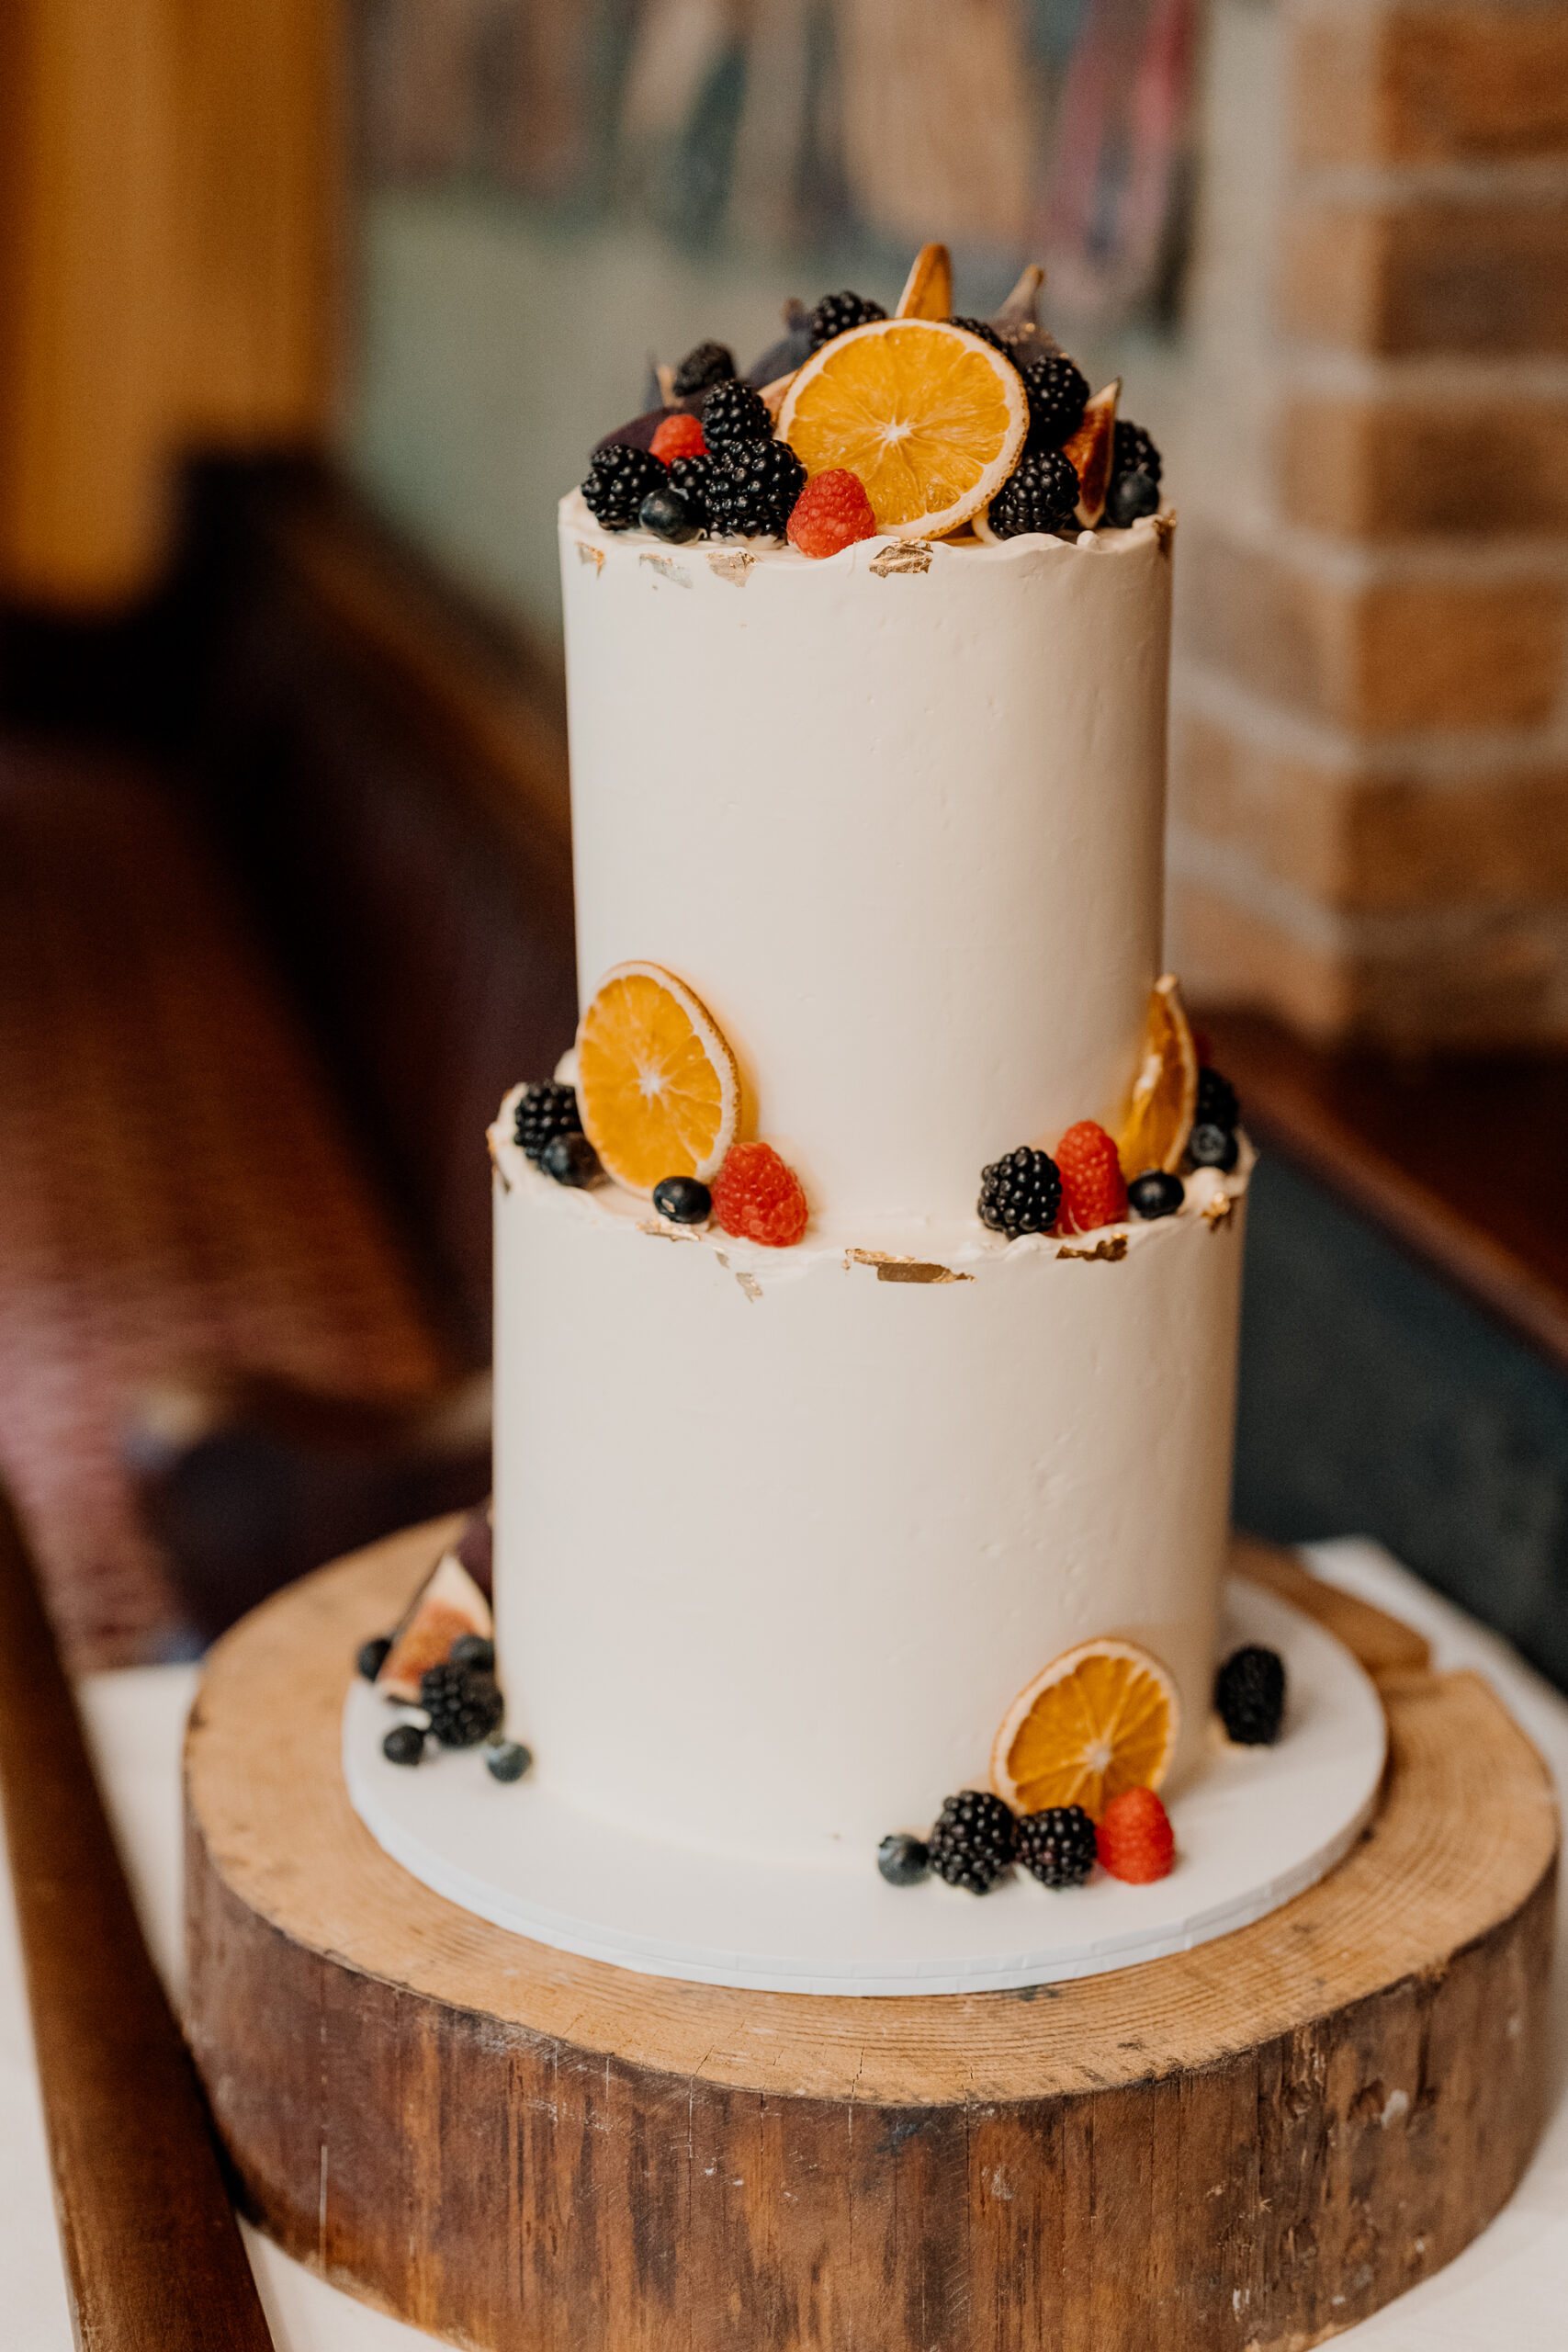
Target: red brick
{"points": [[1431, 84], [1388, 468], [1402, 281]]}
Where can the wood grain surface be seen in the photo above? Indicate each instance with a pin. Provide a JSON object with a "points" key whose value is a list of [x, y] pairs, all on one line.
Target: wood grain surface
{"points": [[153, 2259], [1255, 2144]]}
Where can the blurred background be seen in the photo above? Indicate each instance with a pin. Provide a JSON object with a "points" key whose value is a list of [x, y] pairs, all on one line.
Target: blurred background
{"points": [[309, 312]]}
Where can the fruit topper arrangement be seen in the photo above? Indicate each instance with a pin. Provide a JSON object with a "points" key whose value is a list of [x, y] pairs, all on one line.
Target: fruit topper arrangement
{"points": [[925, 424], [1076, 1771], [437, 1666]]}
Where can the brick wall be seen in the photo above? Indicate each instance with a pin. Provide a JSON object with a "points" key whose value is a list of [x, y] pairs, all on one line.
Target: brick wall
{"points": [[1370, 750]]}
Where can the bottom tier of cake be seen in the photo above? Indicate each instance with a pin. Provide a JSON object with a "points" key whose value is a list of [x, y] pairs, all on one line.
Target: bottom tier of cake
{"points": [[779, 1534]]}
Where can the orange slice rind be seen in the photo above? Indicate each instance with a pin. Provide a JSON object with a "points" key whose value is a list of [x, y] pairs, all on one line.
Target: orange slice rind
{"points": [[1098, 1719], [658, 1090], [927, 289], [931, 418], [1158, 1118]]}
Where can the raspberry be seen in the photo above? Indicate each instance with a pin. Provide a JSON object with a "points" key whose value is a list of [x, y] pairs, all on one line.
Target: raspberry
{"points": [[1093, 1193], [678, 437], [1134, 1838], [758, 1198], [831, 511]]}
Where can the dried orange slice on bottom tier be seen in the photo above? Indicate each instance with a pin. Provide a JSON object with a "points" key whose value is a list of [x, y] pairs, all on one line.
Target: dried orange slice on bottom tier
{"points": [[931, 418], [1164, 1092], [657, 1086], [1100, 1719]]}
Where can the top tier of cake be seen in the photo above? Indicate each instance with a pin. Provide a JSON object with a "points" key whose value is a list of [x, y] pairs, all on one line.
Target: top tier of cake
{"points": [[896, 815]]}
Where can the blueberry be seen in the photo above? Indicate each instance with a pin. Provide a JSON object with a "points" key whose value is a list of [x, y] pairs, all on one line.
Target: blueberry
{"points": [[1131, 495], [373, 1656], [570, 1160], [1154, 1194], [666, 514], [1212, 1147], [507, 1760], [473, 1649], [902, 1860], [404, 1744], [682, 1200]]}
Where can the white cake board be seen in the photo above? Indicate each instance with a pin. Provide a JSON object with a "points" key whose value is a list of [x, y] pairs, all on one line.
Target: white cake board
{"points": [[1254, 1827]]}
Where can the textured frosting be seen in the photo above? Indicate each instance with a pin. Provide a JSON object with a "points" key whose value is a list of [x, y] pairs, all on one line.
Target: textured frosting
{"points": [[897, 817], [780, 1533]]}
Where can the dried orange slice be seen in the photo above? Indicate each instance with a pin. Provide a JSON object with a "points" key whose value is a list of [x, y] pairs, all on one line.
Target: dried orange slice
{"points": [[1164, 1092], [927, 289], [928, 416], [657, 1086], [1100, 1719]]}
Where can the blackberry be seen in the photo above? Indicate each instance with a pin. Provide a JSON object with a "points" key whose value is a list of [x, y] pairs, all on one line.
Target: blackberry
{"points": [[545, 1110], [464, 1707], [903, 1861], [570, 1160], [1041, 495], [507, 1760], [1057, 1846], [1132, 451], [666, 514], [974, 1840], [1154, 1194], [1212, 1147], [689, 479], [707, 365], [1129, 498], [404, 1744], [837, 313], [474, 1651], [1217, 1104], [733, 413], [682, 1200], [1057, 392], [753, 486], [1249, 1692], [372, 1656], [986, 332], [618, 480], [1021, 1193]]}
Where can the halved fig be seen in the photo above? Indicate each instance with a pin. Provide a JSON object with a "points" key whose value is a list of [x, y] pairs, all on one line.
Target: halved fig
{"points": [[1089, 453], [447, 1604]]}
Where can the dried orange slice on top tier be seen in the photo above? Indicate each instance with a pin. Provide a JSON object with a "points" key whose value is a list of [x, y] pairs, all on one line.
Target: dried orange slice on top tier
{"points": [[1164, 1092], [1100, 1719], [657, 1086], [931, 418]]}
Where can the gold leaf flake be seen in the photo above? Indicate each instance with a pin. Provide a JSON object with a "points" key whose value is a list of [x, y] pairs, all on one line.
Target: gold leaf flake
{"points": [[731, 564], [1109, 1253], [893, 1268], [904, 555], [596, 556], [668, 567], [1164, 532], [1215, 1210], [503, 1179]]}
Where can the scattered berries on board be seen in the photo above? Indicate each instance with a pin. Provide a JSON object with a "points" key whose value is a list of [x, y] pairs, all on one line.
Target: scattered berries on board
{"points": [[735, 413], [752, 488], [1021, 1193], [683, 1200], [404, 1744], [1249, 1693], [837, 313], [1132, 451], [507, 1760], [1154, 1194], [986, 332], [1129, 498], [1217, 1103], [1093, 1189], [463, 1707], [618, 480], [373, 1656], [1135, 1839], [543, 1111], [831, 514], [666, 514], [974, 1840], [1058, 393], [708, 364], [678, 437], [570, 1160], [1212, 1147], [476, 1651], [1056, 1846], [1040, 495], [689, 479], [756, 1197], [903, 1860]]}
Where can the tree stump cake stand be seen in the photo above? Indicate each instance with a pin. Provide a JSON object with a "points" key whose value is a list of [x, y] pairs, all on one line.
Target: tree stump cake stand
{"points": [[1252, 2144]]}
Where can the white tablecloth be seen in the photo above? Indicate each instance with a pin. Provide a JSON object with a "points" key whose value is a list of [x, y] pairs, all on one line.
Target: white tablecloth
{"points": [[1509, 2293]]}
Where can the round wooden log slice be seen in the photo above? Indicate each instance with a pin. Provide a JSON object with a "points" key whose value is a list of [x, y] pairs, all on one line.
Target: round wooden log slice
{"points": [[1252, 2144]]}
